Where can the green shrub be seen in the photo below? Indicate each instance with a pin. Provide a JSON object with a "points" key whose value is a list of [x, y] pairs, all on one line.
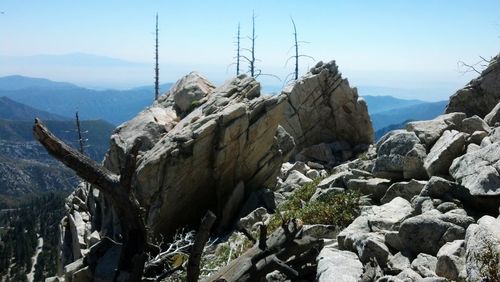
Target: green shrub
{"points": [[335, 209]]}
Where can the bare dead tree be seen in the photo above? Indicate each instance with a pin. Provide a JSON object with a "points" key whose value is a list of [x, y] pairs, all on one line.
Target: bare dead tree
{"points": [[477, 67], [193, 267], [238, 40], [116, 188], [157, 69], [81, 141], [297, 55], [251, 50]]}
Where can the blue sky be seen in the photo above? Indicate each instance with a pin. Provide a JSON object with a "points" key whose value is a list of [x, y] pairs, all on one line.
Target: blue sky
{"points": [[401, 44]]}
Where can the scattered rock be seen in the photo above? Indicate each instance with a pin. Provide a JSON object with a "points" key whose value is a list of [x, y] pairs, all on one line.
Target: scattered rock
{"points": [[425, 265], [429, 131], [391, 154], [451, 260], [398, 262], [474, 123], [449, 146], [413, 163], [335, 265], [494, 116], [406, 190], [375, 187]]}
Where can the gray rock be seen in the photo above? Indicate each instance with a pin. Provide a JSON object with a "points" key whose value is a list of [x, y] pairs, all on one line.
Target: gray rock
{"points": [[375, 187], [312, 174], [72, 268], [478, 171], [482, 244], [232, 206], [322, 194], [392, 240], [425, 265], [449, 146], [318, 153], [413, 163], [429, 131], [426, 233], [474, 123], [294, 180], [258, 215], [472, 147], [335, 265], [451, 260], [372, 219], [494, 116], [334, 180], [422, 204], [446, 206], [391, 154], [476, 137], [481, 95], [389, 278], [409, 275], [398, 262], [298, 166], [406, 190], [372, 247], [315, 165], [192, 87], [321, 231]]}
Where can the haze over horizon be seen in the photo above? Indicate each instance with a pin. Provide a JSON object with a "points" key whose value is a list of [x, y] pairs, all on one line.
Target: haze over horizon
{"points": [[385, 43]]}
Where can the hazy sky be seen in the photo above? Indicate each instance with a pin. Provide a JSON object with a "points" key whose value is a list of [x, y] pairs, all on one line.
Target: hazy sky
{"points": [[409, 44]]}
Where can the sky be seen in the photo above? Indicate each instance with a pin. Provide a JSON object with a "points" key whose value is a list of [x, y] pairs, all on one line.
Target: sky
{"points": [[383, 43]]}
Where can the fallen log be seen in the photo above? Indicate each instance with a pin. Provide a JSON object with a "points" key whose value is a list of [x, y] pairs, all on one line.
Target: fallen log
{"points": [[116, 188], [285, 250]]}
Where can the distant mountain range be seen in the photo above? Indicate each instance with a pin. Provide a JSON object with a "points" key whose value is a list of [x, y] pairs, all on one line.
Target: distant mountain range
{"points": [[11, 110], [115, 106], [25, 166]]}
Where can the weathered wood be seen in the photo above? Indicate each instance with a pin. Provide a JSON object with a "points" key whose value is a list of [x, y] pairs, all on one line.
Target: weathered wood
{"points": [[115, 188], [193, 267], [283, 247]]}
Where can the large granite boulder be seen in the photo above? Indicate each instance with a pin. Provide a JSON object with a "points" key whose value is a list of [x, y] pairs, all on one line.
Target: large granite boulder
{"points": [[478, 171], [429, 131], [237, 135], [482, 243], [481, 95], [391, 154], [494, 116], [189, 90], [449, 146]]}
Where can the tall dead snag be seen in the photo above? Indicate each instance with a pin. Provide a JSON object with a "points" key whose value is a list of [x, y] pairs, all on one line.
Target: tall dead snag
{"points": [[251, 60], [286, 250], [297, 55], [157, 69], [117, 188], [79, 130]]}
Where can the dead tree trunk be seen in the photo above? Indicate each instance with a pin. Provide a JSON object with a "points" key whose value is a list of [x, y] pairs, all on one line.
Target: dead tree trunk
{"points": [[193, 267], [286, 250], [117, 188]]}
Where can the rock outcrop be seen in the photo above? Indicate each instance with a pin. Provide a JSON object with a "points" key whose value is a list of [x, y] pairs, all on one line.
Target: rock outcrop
{"points": [[481, 95]]}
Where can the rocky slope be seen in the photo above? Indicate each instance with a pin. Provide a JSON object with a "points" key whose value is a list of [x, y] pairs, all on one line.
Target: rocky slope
{"points": [[434, 187]]}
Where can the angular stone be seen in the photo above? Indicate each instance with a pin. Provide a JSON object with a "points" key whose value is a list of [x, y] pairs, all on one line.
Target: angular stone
{"points": [[476, 137], [493, 117], [398, 262], [429, 131], [413, 163], [375, 187], [482, 244], [406, 190], [425, 265], [190, 88], [474, 123], [451, 260], [335, 265], [426, 233], [449, 146], [391, 154]]}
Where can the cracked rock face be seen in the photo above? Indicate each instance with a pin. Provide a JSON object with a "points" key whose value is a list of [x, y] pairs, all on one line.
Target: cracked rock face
{"points": [[481, 95], [232, 134]]}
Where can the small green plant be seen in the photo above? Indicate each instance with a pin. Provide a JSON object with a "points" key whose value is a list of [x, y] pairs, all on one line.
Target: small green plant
{"points": [[335, 209], [195, 104]]}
